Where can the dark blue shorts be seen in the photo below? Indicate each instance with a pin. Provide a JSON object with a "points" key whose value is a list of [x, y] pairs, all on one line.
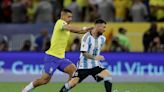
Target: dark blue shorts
{"points": [[51, 63]]}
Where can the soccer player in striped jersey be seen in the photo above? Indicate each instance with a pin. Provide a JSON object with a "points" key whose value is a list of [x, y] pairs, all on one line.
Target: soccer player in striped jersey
{"points": [[89, 63], [55, 55]]}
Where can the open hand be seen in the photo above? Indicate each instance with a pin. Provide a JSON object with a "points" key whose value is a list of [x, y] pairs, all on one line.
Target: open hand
{"points": [[87, 28], [99, 58]]}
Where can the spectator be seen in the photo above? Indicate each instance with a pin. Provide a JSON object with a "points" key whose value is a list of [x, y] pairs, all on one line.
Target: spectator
{"points": [[121, 7], [57, 5], [4, 46], [66, 3], [149, 36], [1, 17], [19, 11], [6, 11], [44, 12], [107, 10], [156, 46], [31, 8], [46, 45], [157, 9], [93, 10], [146, 3], [161, 35], [115, 46], [75, 45], [76, 11], [138, 11], [83, 4], [121, 43], [26, 46], [42, 41]]}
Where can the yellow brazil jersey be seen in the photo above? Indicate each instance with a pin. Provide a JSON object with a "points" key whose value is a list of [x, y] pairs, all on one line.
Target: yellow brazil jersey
{"points": [[121, 6], [59, 40], [159, 13]]}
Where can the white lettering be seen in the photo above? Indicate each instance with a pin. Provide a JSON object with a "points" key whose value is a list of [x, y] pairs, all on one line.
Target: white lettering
{"points": [[19, 68], [131, 69], [1, 66]]}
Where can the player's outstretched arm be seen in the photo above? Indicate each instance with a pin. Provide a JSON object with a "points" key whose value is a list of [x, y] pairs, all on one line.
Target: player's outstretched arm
{"points": [[89, 56], [77, 29]]}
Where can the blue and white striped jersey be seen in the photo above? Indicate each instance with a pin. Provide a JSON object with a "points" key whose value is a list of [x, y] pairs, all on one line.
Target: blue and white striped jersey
{"points": [[92, 46]]}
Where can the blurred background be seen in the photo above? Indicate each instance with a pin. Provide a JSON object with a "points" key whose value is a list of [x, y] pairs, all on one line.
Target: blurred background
{"points": [[137, 22], [134, 37]]}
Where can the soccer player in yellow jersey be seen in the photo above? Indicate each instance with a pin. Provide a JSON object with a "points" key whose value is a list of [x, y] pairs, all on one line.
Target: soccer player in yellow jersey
{"points": [[55, 55]]}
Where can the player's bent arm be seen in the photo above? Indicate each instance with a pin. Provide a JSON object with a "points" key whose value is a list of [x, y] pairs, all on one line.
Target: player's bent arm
{"points": [[77, 29], [87, 55]]}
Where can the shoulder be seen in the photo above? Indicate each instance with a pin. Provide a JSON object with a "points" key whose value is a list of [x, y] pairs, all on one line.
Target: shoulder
{"points": [[103, 37], [61, 22], [86, 36]]}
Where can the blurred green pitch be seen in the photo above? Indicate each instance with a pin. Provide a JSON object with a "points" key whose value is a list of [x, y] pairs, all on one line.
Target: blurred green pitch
{"points": [[86, 87]]}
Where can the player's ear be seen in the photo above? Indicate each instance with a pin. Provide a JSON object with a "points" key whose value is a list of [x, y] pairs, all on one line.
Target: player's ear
{"points": [[62, 14]]}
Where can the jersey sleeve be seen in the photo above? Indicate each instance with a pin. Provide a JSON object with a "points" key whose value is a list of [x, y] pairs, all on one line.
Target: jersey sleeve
{"points": [[60, 25], [103, 39], [84, 43]]}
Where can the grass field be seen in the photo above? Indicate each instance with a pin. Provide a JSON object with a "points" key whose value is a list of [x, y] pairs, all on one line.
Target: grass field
{"points": [[87, 87]]}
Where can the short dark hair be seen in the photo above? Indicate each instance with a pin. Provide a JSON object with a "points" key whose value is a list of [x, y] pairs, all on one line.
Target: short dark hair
{"points": [[66, 10], [99, 21], [122, 30]]}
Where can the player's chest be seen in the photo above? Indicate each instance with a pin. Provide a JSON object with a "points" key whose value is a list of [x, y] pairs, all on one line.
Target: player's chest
{"points": [[95, 43]]}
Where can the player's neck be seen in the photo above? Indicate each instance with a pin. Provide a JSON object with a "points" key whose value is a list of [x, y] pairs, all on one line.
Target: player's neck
{"points": [[94, 33], [63, 19]]}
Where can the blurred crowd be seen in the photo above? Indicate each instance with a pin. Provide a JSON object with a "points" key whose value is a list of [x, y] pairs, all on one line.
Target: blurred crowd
{"points": [[47, 11], [40, 42], [153, 41]]}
